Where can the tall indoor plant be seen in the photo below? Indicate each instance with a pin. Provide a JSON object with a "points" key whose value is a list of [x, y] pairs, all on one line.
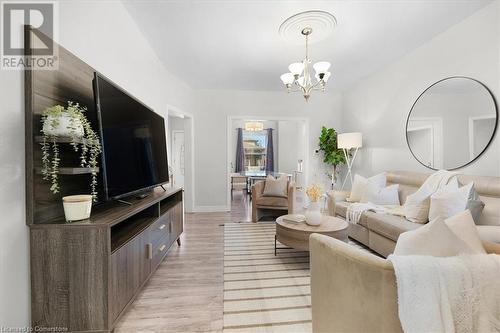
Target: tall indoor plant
{"points": [[68, 122], [332, 155]]}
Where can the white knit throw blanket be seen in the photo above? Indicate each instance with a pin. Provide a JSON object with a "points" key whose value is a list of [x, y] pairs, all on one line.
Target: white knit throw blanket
{"points": [[450, 295], [356, 209]]}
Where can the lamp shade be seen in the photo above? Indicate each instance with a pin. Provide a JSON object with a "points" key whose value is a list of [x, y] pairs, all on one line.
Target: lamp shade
{"points": [[287, 78], [350, 140], [296, 68], [321, 66]]}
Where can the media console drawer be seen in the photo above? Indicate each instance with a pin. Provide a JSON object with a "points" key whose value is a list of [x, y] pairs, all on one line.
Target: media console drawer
{"points": [[160, 248], [161, 228]]}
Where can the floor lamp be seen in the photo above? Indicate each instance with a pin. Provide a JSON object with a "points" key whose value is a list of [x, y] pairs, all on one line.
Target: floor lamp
{"points": [[348, 141]]}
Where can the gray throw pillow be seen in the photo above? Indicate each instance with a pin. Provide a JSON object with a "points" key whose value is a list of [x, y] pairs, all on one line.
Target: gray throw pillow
{"points": [[276, 187], [474, 204]]}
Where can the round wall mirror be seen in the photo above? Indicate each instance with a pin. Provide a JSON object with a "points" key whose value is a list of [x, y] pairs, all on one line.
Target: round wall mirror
{"points": [[451, 123]]}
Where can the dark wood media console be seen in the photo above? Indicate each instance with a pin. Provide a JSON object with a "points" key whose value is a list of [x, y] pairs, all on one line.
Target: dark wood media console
{"points": [[85, 274]]}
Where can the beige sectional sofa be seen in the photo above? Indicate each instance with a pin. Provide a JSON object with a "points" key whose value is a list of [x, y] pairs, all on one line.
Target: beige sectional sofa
{"points": [[381, 231]]}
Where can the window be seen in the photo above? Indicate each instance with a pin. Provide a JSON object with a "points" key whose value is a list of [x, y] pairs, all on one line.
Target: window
{"points": [[255, 145]]}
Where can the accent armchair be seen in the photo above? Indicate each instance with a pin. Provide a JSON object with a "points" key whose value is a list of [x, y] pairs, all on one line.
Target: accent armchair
{"points": [[353, 290], [271, 206]]}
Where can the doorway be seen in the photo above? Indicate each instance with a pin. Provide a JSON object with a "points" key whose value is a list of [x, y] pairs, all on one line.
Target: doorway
{"points": [[181, 153], [178, 158], [290, 138]]}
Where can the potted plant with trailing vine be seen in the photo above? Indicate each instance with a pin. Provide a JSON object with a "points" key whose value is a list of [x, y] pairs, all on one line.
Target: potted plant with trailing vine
{"points": [[68, 122], [332, 155]]}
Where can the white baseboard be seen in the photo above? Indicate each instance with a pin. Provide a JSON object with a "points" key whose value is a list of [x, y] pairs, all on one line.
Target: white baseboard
{"points": [[210, 209]]}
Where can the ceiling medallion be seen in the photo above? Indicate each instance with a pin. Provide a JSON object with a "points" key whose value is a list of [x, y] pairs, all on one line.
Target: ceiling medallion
{"points": [[303, 25]]}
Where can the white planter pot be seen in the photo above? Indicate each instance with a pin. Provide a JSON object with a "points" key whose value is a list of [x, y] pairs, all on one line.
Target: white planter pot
{"points": [[61, 130], [77, 207], [313, 214]]}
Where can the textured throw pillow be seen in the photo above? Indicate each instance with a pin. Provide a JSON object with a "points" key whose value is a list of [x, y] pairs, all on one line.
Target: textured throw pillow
{"points": [[381, 195], [416, 207], [464, 228], [433, 239], [474, 204], [359, 185], [276, 187], [449, 201]]}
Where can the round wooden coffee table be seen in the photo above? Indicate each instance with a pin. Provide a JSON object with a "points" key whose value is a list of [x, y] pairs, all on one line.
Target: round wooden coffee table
{"points": [[296, 235]]}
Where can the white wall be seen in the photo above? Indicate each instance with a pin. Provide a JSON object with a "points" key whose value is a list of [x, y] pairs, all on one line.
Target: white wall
{"points": [[212, 110], [290, 146], [102, 34], [379, 105]]}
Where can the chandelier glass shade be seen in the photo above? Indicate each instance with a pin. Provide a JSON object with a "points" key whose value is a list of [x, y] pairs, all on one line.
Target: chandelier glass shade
{"points": [[299, 78]]}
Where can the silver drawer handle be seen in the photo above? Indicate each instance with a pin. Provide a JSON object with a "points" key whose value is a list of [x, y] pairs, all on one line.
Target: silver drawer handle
{"points": [[161, 227], [162, 248]]}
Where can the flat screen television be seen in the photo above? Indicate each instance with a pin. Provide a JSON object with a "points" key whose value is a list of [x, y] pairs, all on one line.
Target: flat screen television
{"points": [[134, 154]]}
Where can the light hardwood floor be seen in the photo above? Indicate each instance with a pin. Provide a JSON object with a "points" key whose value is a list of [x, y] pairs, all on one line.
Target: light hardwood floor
{"points": [[185, 293]]}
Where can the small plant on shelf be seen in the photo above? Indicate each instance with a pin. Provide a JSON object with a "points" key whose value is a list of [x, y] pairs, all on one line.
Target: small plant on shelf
{"points": [[70, 122]]}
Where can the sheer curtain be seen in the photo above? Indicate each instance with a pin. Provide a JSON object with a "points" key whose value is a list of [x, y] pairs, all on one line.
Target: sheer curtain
{"points": [[240, 152], [270, 151]]}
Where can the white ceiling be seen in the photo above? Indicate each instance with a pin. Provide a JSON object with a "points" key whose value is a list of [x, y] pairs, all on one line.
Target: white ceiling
{"points": [[236, 45]]}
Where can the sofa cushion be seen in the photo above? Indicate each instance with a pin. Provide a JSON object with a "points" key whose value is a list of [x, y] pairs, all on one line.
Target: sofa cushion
{"points": [[360, 183], [272, 202], [390, 226], [433, 239], [341, 210], [449, 200], [276, 187], [381, 195], [464, 228]]}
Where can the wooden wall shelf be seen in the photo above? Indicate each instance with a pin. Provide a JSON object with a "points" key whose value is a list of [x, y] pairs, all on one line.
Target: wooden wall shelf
{"points": [[72, 171], [39, 139]]}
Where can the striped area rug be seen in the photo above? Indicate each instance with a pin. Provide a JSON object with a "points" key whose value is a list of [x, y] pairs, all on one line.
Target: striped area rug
{"points": [[263, 292]]}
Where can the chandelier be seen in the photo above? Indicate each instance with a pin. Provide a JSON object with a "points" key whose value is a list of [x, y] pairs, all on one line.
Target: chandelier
{"points": [[254, 126], [299, 77]]}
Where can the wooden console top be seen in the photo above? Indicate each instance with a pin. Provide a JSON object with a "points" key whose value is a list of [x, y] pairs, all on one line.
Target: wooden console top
{"points": [[111, 213]]}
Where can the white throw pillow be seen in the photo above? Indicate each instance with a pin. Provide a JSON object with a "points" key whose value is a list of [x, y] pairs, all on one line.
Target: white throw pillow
{"points": [[416, 207], [359, 185], [449, 201], [433, 239], [276, 187], [462, 225], [381, 196]]}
